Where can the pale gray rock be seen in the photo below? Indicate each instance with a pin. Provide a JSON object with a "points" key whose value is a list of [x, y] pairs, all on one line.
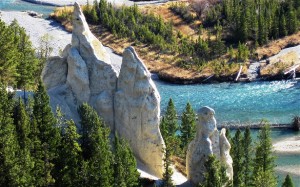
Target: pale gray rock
{"points": [[207, 142], [56, 70], [130, 104], [137, 112], [78, 77], [201, 147], [225, 157]]}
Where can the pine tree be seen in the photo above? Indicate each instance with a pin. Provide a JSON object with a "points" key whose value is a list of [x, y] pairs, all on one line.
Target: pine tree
{"points": [[46, 136], [125, 172], [49, 133], [70, 160], [22, 124], [264, 162], [237, 156], [27, 61], [96, 148], [188, 126], [247, 162], [8, 55], [215, 175], [10, 168], [168, 172], [288, 182], [25, 161], [171, 119]]}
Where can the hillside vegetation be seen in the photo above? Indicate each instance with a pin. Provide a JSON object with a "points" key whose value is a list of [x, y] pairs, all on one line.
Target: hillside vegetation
{"points": [[183, 45]]}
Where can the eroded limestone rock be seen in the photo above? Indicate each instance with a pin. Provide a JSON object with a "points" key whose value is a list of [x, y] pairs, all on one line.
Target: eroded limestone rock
{"points": [[130, 104], [137, 112], [83, 73], [206, 143], [225, 154]]}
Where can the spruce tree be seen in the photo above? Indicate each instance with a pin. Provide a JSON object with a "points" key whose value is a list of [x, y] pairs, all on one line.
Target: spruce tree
{"points": [[215, 175], [22, 124], [247, 162], [10, 168], [168, 172], [96, 148], [70, 160], [25, 161], [237, 157], [188, 126], [27, 63], [125, 172], [46, 136], [264, 161], [171, 119], [8, 55], [288, 182]]}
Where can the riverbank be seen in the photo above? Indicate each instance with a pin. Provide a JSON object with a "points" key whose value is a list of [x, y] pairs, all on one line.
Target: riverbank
{"points": [[288, 146]]}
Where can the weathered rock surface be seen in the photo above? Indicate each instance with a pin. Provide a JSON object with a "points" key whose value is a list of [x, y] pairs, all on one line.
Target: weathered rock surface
{"points": [[207, 142], [137, 111], [130, 104], [225, 154]]}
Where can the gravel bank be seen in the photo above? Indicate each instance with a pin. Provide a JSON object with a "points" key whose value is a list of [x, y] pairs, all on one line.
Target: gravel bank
{"points": [[36, 28]]}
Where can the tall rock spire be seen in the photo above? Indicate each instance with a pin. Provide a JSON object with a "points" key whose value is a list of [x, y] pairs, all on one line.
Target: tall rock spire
{"points": [[137, 112]]}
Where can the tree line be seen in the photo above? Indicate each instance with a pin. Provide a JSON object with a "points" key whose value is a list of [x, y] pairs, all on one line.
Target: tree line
{"points": [[258, 21], [253, 162], [39, 148]]}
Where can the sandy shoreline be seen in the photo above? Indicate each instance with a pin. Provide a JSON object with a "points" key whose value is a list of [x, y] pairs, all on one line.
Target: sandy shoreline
{"points": [[289, 145]]}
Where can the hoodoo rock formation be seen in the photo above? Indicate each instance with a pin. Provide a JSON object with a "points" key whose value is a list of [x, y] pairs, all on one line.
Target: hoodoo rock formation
{"points": [[207, 142], [137, 110], [129, 104]]}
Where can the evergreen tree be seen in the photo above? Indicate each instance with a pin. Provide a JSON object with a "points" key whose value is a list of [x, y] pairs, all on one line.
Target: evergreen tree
{"points": [[96, 148], [46, 135], [49, 133], [70, 160], [215, 175], [125, 172], [288, 182], [168, 172], [22, 124], [10, 168], [264, 162], [171, 119], [237, 157], [247, 154], [188, 126], [27, 60], [8, 55]]}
